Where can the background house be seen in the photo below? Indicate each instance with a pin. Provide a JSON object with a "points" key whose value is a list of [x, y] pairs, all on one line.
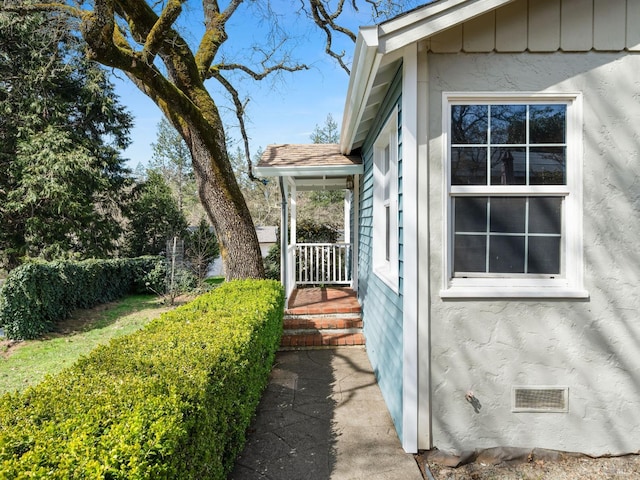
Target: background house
{"points": [[267, 238], [494, 151]]}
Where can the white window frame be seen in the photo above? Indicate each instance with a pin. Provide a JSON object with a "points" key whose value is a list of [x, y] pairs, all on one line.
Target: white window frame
{"points": [[385, 260], [569, 283]]}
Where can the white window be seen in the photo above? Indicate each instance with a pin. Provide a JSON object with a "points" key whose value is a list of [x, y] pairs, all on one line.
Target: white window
{"points": [[385, 203], [513, 196]]}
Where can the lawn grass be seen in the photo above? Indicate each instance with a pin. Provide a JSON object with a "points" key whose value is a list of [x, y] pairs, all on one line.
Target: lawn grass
{"points": [[214, 281], [27, 363]]}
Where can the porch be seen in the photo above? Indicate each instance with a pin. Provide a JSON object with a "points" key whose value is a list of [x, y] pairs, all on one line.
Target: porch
{"points": [[320, 279], [307, 168], [322, 301]]}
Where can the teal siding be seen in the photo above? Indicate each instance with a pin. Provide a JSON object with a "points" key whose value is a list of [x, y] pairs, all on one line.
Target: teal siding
{"points": [[382, 307]]}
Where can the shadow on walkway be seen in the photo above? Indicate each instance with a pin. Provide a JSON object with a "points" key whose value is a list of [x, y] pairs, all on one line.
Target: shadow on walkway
{"points": [[322, 417]]}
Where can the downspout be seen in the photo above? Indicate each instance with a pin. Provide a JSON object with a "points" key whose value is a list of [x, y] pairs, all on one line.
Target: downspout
{"points": [[284, 235]]}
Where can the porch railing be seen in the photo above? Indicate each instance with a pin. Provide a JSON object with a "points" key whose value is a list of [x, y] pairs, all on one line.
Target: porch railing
{"points": [[322, 263]]}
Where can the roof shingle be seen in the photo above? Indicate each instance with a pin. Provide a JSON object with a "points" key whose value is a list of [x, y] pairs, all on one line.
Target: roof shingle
{"points": [[306, 155]]}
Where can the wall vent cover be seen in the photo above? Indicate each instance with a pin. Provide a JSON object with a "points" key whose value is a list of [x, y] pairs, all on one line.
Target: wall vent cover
{"points": [[540, 399]]}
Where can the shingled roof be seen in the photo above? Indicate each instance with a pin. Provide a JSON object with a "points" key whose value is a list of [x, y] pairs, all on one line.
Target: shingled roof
{"points": [[307, 160]]}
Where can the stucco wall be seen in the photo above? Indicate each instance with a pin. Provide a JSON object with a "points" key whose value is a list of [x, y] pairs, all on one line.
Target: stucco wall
{"points": [[382, 307], [591, 346]]}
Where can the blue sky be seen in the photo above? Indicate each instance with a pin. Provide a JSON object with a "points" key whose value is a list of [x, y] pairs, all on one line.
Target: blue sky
{"points": [[284, 111]]}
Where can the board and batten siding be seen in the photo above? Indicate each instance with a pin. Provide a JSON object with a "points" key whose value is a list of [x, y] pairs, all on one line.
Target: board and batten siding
{"points": [[382, 307], [547, 26]]}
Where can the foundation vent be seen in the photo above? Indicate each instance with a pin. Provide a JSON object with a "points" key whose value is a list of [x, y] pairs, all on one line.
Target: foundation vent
{"points": [[540, 399]]}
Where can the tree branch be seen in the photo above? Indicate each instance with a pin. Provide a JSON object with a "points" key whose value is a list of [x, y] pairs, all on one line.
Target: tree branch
{"points": [[326, 22], [322, 17], [42, 7], [239, 108], [158, 32], [214, 71], [215, 34]]}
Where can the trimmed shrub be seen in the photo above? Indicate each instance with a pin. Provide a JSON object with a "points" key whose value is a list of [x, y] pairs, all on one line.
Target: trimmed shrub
{"points": [[37, 295], [171, 401]]}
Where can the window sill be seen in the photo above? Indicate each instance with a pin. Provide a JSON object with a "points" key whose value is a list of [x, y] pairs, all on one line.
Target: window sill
{"points": [[514, 292], [387, 278]]}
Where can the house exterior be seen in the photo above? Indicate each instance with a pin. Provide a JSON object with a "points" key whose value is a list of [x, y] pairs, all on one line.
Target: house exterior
{"points": [[267, 238], [497, 212], [509, 309]]}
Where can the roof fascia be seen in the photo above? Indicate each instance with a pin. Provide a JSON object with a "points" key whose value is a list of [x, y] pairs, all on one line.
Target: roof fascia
{"points": [[310, 171], [314, 184], [433, 18], [365, 65], [376, 41]]}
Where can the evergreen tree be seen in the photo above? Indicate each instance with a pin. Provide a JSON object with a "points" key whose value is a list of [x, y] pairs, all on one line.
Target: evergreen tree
{"points": [[328, 133], [171, 158], [201, 249], [323, 206], [61, 130], [154, 217]]}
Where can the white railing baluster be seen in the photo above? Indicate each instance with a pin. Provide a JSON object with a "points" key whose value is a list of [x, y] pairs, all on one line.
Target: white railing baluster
{"points": [[322, 263]]}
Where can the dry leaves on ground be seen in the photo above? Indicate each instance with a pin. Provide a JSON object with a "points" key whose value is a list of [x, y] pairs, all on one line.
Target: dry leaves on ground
{"points": [[570, 468]]}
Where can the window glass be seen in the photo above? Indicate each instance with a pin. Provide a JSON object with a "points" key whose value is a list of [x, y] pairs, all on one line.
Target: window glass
{"points": [[508, 166], [507, 234], [544, 255], [547, 166], [469, 124], [547, 123], [386, 173], [387, 233], [468, 166], [508, 124], [545, 215], [525, 144], [471, 214], [470, 253], [507, 214], [506, 254]]}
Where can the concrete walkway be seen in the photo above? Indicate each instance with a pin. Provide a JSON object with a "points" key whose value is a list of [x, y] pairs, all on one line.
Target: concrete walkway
{"points": [[323, 417]]}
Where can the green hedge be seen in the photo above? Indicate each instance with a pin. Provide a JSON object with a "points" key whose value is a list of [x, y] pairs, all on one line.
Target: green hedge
{"points": [[37, 295], [171, 401]]}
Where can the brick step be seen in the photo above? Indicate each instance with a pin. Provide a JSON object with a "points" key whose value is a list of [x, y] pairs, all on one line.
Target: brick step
{"points": [[323, 330], [323, 310], [322, 323], [319, 339]]}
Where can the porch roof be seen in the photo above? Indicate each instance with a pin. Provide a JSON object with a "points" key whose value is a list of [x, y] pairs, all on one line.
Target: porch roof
{"points": [[316, 160]]}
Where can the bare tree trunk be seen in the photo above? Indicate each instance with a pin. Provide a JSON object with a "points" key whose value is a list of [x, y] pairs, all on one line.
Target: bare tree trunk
{"points": [[228, 212]]}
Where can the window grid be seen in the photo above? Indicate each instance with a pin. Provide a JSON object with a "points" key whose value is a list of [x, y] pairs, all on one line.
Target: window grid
{"points": [[489, 145], [488, 234], [491, 189], [553, 183]]}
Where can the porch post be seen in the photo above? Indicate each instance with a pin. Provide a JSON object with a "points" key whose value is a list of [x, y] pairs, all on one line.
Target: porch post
{"points": [[291, 270], [348, 194], [294, 201], [284, 233], [356, 232]]}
